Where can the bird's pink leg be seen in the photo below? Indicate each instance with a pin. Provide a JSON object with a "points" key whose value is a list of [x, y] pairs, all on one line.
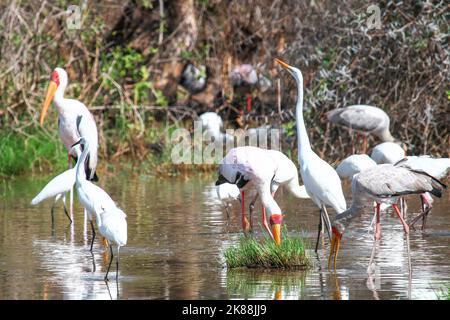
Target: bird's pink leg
{"points": [[264, 221], [400, 216], [245, 224], [378, 224]]}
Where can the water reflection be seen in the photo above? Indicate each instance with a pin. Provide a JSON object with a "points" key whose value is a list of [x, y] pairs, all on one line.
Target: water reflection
{"points": [[177, 234]]}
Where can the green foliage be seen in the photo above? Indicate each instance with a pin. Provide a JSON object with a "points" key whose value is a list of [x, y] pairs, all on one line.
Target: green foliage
{"points": [[251, 253], [24, 154]]}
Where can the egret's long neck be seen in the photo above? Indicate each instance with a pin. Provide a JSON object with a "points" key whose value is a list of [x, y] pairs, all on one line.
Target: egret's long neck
{"points": [[81, 173], [304, 147], [59, 96]]}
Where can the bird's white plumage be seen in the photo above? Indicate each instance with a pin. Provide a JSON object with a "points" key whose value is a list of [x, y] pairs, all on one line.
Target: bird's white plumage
{"points": [[321, 181], [266, 170], [436, 167], [60, 184], [212, 125], [110, 219], [227, 192], [354, 164], [75, 121], [387, 152]]}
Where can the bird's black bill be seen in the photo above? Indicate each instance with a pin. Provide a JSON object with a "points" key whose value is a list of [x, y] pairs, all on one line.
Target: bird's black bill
{"points": [[76, 143]]}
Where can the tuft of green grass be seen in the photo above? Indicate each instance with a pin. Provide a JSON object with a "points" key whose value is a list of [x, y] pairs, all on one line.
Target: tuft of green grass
{"points": [[253, 253]]}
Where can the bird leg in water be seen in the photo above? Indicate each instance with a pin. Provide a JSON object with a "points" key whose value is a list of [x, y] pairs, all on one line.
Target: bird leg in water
{"points": [[110, 261], [426, 207], [93, 235], [327, 221], [319, 228], [378, 224], [405, 225], [117, 263], [71, 189], [372, 255], [264, 222], [251, 208], [245, 223], [65, 209]]}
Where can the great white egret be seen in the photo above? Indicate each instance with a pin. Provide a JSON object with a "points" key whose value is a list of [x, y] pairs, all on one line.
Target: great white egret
{"points": [[111, 220], [321, 181]]}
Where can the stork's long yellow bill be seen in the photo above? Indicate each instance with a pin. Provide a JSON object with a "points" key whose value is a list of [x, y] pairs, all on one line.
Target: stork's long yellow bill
{"points": [[334, 251], [276, 231], [52, 86], [283, 64]]}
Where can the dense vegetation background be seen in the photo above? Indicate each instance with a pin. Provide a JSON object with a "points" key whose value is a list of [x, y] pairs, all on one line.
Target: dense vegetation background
{"points": [[126, 60]]}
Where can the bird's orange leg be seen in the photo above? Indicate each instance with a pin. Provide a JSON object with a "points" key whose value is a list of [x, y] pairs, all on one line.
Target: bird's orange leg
{"points": [[378, 224], [245, 224], [400, 216]]}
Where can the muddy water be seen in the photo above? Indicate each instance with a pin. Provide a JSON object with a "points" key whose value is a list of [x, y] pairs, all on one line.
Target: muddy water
{"points": [[177, 232]]}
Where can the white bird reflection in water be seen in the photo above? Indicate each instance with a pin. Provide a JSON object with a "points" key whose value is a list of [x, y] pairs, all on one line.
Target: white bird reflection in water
{"points": [[75, 270]]}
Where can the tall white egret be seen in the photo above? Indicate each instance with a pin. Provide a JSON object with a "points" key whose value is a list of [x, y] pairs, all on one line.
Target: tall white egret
{"points": [[321, 181], [57, 187], [387, 152], [111, 220], [382, 184], [265, 170], [74, 121], [364, 119]]}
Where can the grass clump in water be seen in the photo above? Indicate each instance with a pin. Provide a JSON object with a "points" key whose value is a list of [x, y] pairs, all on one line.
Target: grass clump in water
{"points": [[251, 253]]}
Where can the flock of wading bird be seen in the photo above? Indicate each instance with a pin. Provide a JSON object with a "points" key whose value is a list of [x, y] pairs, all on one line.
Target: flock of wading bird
{"points": [[378, 182]]}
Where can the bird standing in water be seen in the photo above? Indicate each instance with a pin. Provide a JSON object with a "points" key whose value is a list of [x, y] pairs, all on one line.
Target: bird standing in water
{"points": [[111, 220], [321, 181]]}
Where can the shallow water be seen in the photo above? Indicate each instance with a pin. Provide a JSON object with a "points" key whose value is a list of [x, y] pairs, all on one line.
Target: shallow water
{"points": [[177, 232]]}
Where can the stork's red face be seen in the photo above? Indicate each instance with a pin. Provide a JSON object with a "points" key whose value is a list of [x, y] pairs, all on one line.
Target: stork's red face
{"points": [[52, 86]]}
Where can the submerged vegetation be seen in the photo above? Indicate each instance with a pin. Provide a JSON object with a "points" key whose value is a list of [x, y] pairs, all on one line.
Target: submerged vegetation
{"points": [[254, 253]]}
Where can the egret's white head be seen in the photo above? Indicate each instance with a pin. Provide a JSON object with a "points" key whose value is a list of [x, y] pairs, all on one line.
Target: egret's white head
{"points": [[58, 79]]}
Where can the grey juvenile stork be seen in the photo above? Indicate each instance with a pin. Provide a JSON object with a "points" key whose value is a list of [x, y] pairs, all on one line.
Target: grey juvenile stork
{"points": [[383, 184], [365, 119]]}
